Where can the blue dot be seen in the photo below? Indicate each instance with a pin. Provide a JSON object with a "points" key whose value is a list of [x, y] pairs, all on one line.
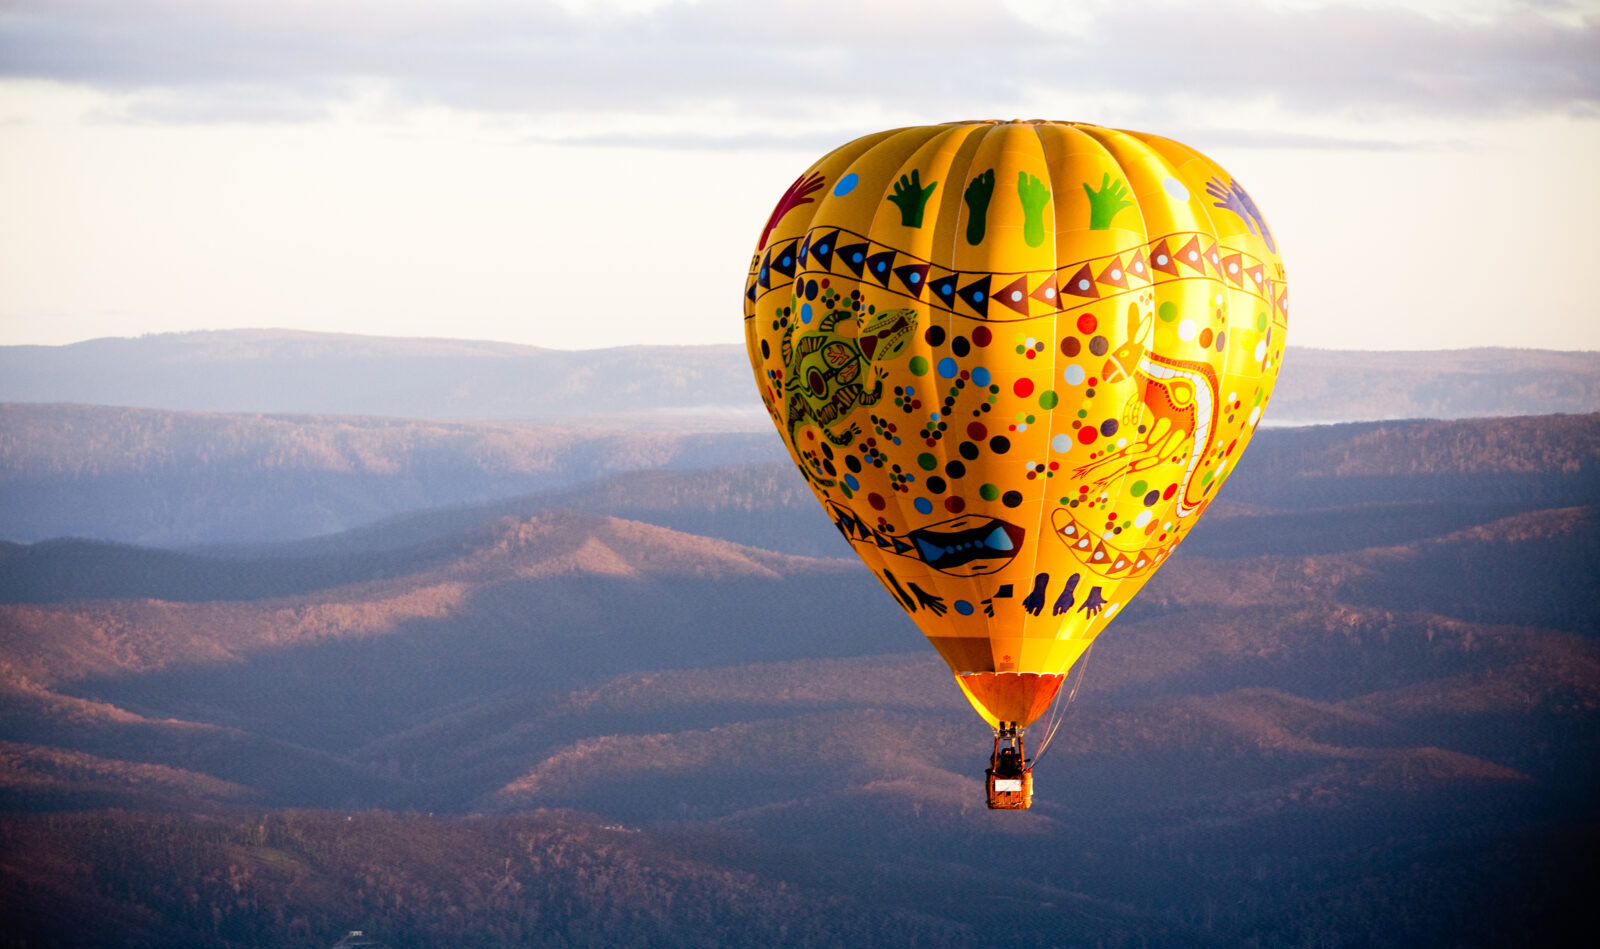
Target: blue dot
{"points": [[805, 314], [947, 368], [845, 185], [915, 277], [923, 506], [852, 482], [980, 375], [963, 607], [785, 261], [855, 257], [897, 439], [881, 265], [822, 248], [977, 296]]}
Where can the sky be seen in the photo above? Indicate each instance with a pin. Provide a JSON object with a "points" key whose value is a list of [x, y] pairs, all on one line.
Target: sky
{"points": [[592, 173]]}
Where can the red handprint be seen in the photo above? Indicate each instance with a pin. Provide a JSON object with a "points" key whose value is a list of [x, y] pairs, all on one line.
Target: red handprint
{"points": [[795, 196]]}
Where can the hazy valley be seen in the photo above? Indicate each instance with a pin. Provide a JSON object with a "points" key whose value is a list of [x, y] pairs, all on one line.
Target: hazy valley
{"points": [[668, 708]]}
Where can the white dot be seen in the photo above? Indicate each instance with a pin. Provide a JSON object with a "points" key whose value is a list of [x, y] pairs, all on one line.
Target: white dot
{"points": [[1061, 443], [1186, 330], [1255, 415], [1083, 284], [1116, 274], [1122, 443], [1219, 299], [1030, 342], [1194, 255], [1016, 295], [1232, 397], [1161, 261], [1261, 350], [1175, 188], [1022, 427], [1049, 293], [1144, 518], [1233, 267], [1138, 267], [1075, 374]]}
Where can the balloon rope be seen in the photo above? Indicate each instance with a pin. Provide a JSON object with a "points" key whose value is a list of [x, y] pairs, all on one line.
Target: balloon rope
{"points": [[1058, 712]]}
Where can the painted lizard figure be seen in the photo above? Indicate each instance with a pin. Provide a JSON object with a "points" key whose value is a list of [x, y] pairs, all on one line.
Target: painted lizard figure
{"points": [[826, 373]]}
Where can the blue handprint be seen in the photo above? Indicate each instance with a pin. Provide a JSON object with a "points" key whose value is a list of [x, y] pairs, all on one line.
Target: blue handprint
{"points": [[1233, 197]]}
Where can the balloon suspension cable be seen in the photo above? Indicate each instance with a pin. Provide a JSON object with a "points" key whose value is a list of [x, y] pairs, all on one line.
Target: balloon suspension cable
{"points": [[1058, 709]]}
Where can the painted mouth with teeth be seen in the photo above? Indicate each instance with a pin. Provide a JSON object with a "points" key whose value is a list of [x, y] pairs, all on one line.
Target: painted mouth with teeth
{"points": [[968, 546]]}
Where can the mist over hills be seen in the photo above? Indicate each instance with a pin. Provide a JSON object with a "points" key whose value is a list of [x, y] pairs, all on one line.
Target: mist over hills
{"points": [[284, 371], [1360, 705], [177, 479]]}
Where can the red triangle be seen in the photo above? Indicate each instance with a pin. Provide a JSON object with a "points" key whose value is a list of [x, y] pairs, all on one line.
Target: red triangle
{"points": [[1190, 256], [1233, 269], [1014, 295], [1082, 284], [1161, 258], [1114, 275], [1138, 266], [1046, 292]]}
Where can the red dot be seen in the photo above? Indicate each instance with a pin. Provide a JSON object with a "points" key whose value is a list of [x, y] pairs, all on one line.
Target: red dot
{"points": [[977, 431], [1087, 323], [1093, 382], [1167, 494], [876, 500], [1088, 434], [955, 505], [981, 336], [1030, 354], [1023, 388]]}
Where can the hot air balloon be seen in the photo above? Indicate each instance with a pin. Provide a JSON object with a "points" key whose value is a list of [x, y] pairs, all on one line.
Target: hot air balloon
{"points": [[1015, 361]]}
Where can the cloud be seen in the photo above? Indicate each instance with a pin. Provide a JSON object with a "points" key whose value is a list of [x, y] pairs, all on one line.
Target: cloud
{"points": [[780, 70]]}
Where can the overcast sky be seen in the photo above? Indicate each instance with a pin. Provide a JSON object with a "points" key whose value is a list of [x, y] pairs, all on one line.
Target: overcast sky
{"points": [[594, 173]]}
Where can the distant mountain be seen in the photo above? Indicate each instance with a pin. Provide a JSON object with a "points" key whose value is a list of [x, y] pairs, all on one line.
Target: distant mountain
{"points": [[284, 371], [182, 479], [171, 478], [1363, 710]]}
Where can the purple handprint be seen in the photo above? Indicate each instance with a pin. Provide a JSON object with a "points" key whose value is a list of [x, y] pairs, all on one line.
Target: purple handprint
{"points": [[1233, 197], [1064, 601], [1035, 602], [1093, 603]]}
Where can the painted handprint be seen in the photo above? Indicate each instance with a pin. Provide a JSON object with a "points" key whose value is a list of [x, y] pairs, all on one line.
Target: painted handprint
{"points": [[928, 600], [795, 196], [1065, 600], [1093, 603], [1034, 197], [911, 197], [979, 191], [1233, 197], [1035, 602], [1107, 202]]}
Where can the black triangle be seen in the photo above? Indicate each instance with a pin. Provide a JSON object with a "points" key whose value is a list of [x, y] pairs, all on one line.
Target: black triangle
{"points": [[946, 289], [879, 266], [765, 278], [914, 276], [882, 541], [822, 250], [976, 295], [783, 259], [854, 256]]}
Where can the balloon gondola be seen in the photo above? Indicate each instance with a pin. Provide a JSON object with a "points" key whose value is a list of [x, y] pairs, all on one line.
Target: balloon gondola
{"points": [[1015, 361]]}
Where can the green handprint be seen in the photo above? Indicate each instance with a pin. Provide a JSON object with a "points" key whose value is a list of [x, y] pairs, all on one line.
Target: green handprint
{"points": [[1105, 203], [1034, 197], [979, 190], [911, 198]]}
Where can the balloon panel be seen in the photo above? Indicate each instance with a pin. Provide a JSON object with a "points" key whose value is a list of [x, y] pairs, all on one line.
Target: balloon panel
{"points": [[1015, 362]]}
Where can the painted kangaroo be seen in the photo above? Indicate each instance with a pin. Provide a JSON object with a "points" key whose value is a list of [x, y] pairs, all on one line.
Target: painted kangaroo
{"points": [[1179, 404]]}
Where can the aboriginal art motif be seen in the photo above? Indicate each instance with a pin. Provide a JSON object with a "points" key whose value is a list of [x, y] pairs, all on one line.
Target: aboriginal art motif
{"points": [[1015, 361]]}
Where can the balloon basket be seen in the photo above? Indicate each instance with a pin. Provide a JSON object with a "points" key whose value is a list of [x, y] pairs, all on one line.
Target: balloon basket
{"points": [[1011, 793], [1010, 779]]}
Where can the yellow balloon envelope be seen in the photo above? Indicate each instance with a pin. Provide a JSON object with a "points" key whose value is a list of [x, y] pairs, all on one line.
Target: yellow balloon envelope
{"points": [[1015, 361]]}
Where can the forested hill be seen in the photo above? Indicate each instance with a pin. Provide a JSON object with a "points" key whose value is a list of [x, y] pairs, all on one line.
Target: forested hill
{"points": [[301, 372]]}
